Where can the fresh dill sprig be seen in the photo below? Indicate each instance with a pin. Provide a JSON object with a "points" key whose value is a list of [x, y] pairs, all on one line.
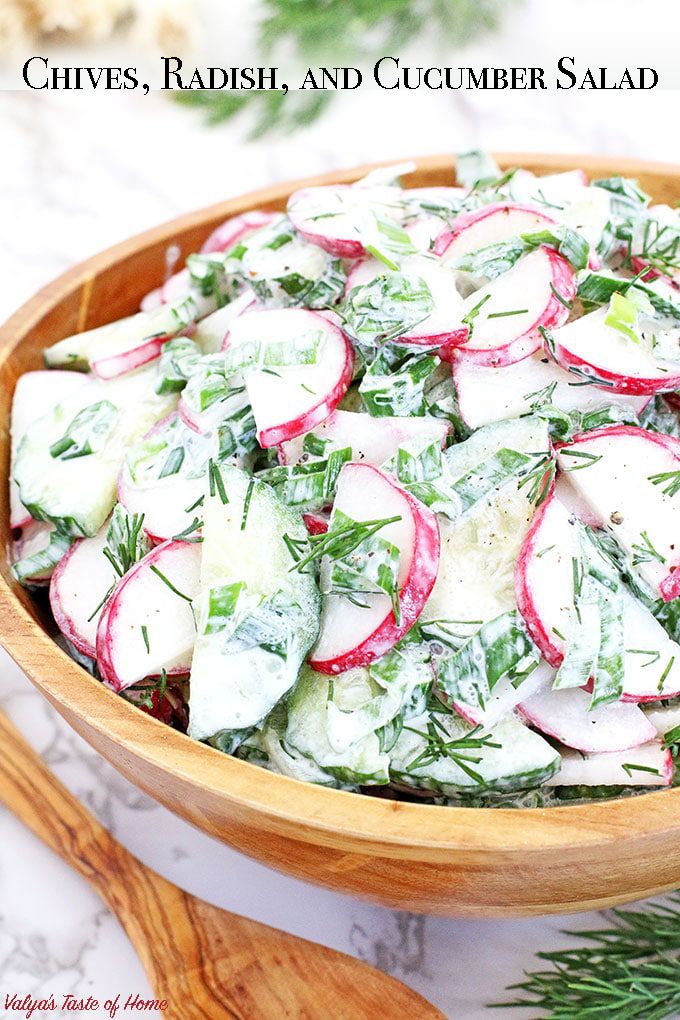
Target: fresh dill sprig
{"points": [[306, 30], [630, 971]]}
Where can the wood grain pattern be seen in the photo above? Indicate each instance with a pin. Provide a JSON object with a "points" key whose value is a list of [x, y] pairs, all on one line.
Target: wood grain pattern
{"points": [[456, 861], [206, 963]]}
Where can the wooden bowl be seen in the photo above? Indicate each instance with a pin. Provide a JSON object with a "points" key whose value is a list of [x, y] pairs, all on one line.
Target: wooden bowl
{"points": [[439, 860]]}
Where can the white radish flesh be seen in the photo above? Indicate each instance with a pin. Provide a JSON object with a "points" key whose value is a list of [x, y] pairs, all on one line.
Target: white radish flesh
{"points": [[148, 625], [507, 315], [566, 715], [78, 591], [492, 394], [545, 598], [489, 225], [654, 768], [443, 325], [339, 218], [591, 350], [352, 635], [372, 440], [296, 398], [627, 477]]}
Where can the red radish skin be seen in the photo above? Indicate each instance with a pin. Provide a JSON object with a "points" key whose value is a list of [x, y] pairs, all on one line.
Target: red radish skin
{"points": [[632, 725], [128, 361], [552, 316], [316, 524], [497, 213], [669, 588], [525, 601], [106, 637], [342, 247], [614, 382], [414, 592], [455, 336], [235, 229], [62, 619], [224, 237], [58, 598], [274, 435]]}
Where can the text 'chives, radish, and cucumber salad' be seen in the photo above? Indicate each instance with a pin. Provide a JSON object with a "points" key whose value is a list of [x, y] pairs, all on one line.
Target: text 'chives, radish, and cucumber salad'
{"points": [[384, 491]]}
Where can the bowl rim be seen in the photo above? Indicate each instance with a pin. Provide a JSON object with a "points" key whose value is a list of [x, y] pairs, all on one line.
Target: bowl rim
{"points": [[428, 829]]}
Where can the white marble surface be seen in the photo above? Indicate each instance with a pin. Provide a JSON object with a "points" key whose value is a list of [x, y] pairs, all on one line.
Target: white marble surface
{"points": [[78, 173]]}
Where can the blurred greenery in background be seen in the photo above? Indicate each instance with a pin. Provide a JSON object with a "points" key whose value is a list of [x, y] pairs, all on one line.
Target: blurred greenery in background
{"points": [[329, 31]]}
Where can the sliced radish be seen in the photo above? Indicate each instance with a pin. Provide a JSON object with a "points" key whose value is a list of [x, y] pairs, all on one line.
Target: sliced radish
{"points": [[505, 696], [545, 597], [335, 217], [566, 715], [493, 394], [372, 440], [175, 288], [628, 477], [506, 316], [597, 353], [573, 503], [123, 346], [78, 591], [654, 768], [236, 229], [443, 326], [35, 394], [352, 635], [223, 238], [491, 224], [289, 400], [148, 624], [163, 477]]}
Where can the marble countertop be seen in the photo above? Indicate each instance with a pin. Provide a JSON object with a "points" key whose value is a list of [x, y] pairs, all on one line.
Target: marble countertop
{"points": [[79, 172]]}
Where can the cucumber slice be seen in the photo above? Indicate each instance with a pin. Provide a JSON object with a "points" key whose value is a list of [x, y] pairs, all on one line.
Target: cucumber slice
{"points": [[58, 479], [475, 583], [256, 619], [287, 760], [121, 347], [35, 393], [313, 730], [433, 753]]}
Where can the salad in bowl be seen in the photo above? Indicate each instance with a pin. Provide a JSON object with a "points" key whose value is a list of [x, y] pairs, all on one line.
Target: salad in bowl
{"points": [[382, 493]]}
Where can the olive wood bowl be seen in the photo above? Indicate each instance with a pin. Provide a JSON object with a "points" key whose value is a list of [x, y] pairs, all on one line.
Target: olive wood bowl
{"points": [[409, 856]]}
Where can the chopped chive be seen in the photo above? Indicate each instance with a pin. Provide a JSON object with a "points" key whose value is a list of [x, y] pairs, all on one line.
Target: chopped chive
{"points": [[216, 482], [504, 315], [246, 504], [654, 656], [631, 767], [559, 634], [665, 673], [170, 585], [145, 635], [194, 506], [562, 300], [589, 458], [671, 477]]}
